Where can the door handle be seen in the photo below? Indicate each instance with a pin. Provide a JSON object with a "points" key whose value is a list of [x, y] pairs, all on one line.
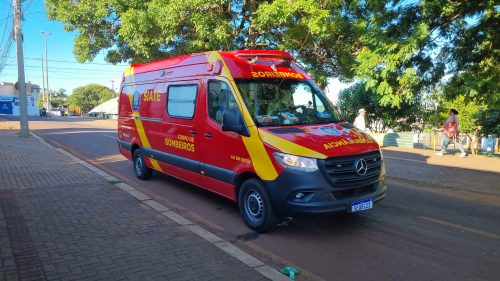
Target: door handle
{"points": [[192, 132], [208, 135]]}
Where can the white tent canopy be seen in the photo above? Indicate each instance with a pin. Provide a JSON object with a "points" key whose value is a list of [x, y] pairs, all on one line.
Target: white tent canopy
{"points": [[109, 107]]}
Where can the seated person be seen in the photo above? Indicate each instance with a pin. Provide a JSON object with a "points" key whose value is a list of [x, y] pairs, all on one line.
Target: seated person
{"points": [[288, 118]]}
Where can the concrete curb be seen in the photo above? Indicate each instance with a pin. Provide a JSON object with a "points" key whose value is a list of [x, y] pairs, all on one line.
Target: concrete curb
{"points": [[227, 247]]}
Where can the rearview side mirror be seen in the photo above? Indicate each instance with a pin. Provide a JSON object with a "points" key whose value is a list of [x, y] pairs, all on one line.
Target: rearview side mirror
{"points": [[233, 121]]}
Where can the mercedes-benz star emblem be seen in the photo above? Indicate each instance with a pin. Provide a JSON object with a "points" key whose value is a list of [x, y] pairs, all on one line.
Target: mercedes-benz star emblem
{"points": [[361, 167]]}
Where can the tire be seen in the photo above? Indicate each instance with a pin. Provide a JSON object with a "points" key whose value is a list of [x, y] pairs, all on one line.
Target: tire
{"points": [[142, 171], [255, 206]]}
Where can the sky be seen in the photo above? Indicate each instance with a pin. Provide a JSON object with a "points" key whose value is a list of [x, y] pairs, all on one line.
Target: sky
{"points": [[64, 71]]}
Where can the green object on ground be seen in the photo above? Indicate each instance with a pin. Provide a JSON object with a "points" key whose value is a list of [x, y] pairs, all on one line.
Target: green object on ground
{"points": [[290, 271], [114, 181]]}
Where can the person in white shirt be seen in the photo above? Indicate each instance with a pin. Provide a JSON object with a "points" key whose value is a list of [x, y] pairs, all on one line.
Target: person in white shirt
{"points": [[359, 122]]}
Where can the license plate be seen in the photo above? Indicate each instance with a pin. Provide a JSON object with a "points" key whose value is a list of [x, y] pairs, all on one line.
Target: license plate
{"points": [[362, 205]]}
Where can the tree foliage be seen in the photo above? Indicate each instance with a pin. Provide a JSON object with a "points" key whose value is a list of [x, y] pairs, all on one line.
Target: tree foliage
{"points": [[322, 34], [380, 118], [58, 98], [89, 96], [468, 114], [489, 120], [399, 48], [412, 45]]}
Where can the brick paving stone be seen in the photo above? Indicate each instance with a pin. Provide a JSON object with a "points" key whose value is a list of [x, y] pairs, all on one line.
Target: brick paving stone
{"points": [[82, 228]]}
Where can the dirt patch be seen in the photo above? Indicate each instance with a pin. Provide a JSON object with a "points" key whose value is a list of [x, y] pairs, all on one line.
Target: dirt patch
{"points": [[9, 125]]}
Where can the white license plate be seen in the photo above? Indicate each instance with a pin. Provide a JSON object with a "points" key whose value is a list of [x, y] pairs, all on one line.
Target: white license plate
{"points": [[362, 205]]}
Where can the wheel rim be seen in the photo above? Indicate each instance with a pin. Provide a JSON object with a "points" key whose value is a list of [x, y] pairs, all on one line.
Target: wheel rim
{"points": [[254, 206], [139, 165]]}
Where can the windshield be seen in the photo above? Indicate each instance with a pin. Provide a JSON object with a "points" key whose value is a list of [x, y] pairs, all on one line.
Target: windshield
{"points": [[277, 102]]}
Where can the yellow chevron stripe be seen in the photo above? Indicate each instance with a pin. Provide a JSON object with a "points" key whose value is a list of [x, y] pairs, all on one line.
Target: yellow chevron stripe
{"points": [[129, 72], [289, 147], [254, 145]]}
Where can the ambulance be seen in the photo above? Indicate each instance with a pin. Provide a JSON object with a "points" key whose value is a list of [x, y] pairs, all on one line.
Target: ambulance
{"points": [[251, 126]]}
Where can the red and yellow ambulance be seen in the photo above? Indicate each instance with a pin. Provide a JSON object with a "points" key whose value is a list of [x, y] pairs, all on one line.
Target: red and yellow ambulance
{"points": [[251, 126]]}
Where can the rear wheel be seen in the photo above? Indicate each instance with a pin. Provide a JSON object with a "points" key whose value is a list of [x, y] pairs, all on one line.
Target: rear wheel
{"points": [[255, 206], [142, 171]]}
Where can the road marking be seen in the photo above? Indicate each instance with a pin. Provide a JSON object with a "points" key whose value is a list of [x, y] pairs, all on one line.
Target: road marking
{"points": [[113, 137], [403, 159], [461, 227]]}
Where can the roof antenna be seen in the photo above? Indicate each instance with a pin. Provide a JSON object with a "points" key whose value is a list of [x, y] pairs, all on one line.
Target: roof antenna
{"points": [[254, 59], [274, 67]]}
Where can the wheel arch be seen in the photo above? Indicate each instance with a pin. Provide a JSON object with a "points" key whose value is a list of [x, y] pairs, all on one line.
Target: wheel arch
{"points": [[240, 179], [135, 146]]}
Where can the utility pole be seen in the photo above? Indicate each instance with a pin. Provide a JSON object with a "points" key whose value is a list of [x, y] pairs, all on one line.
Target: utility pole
{"points": [[112, 88], [43, 82], [23, 102], [45, 35]]}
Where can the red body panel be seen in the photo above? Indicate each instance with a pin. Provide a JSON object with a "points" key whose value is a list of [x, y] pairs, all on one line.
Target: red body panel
{"points": [[200, 139], [331, 139], [241, 67]]}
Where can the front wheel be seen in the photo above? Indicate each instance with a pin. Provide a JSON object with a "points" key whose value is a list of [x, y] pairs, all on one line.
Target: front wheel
{"points": [[255, 206], [142, 171]]}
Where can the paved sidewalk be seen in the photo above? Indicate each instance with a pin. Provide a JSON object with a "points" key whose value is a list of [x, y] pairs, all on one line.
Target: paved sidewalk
{"points": [[59, 220], [472, 162]]}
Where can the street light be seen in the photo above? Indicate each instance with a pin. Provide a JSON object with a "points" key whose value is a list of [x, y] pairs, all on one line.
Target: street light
{"points": [[112, 88], [45, 35]]}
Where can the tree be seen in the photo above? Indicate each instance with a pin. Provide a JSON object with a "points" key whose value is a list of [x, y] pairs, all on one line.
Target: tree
{"points": [[397, 48], [322, 34], [89, 96], [411, 45], [489, 120], [58, 98], [380, 118]]}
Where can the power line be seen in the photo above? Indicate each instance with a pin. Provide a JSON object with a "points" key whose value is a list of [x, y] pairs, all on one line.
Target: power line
{"points": [[12, 67], [39, 76], [6, 51], [27, 7], [65, 68], [90, 63], [8, 17], [5, 48], [6, 24]]}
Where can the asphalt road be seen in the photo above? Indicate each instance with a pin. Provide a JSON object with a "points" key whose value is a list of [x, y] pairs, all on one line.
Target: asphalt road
{"points": [[437, 222]]}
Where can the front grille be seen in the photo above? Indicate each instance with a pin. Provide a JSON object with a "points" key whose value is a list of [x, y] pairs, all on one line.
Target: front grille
{"points": [[353, 192], [341, 173]]}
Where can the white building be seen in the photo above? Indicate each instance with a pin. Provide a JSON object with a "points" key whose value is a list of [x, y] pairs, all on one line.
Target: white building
{"points": [[9, 99]]}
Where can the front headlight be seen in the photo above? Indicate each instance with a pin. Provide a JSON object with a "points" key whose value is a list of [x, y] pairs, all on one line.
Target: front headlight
{"points": [[296, 162]]}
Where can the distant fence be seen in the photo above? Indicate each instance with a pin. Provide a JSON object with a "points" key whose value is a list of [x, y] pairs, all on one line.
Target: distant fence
{"points": [[430, 140], [403, 139]]}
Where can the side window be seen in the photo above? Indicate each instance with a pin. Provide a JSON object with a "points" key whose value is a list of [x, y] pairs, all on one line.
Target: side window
{"points": [[181, 100], [220, 98]]}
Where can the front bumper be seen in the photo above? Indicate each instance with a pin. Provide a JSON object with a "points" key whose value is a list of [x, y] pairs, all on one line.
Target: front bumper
{"points": [[318, 194]]}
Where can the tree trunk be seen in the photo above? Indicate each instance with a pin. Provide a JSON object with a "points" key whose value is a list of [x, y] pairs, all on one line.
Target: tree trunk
{"points": [[473, 144], [252, 33]]}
